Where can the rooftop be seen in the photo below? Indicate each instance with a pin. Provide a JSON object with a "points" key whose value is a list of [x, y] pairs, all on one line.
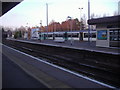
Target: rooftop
{"points": [[105, 20]]}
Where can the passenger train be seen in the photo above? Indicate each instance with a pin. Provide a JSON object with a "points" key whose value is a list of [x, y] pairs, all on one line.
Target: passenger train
{"points": [[75, 35]]}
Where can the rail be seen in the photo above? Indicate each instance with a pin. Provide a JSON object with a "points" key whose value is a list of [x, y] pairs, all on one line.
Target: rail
{"points": [[100, 66]]}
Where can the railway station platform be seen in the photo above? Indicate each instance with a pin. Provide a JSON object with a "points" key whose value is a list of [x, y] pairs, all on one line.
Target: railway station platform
{"points": [[82, 45], [66, 46], [49, 74]]}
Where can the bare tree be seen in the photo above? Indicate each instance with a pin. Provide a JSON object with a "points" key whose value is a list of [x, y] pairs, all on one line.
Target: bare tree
{"points": [[92, 16]]}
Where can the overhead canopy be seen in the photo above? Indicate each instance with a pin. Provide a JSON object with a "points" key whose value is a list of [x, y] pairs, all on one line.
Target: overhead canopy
{"points": [[105, 20], [6, 6]]}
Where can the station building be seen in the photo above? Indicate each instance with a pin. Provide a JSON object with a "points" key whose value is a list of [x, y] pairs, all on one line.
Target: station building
{"points": [[108, 31]]}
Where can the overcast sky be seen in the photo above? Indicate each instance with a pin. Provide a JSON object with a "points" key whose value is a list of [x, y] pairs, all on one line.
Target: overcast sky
{"points": [[32, 11]]}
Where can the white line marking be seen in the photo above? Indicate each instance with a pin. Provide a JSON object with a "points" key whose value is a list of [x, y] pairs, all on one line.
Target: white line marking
{"points": [[27, 48], [61, 68]]}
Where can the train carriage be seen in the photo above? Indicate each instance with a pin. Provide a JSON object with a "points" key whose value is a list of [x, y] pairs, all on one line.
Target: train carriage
{"points": [[75, 35]]}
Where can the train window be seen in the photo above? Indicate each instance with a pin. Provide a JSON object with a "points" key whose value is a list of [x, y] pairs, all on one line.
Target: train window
{"points": [[85, 35], [111, 33], [93, 35], [69, 35], [60, 35], [75, 35], [56, 35], [113, 38], [65, 35], [50, 35], [114, 35]]}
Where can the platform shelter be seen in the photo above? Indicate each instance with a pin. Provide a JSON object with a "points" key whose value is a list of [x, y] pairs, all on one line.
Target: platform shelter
{"points": [[108, 31]]}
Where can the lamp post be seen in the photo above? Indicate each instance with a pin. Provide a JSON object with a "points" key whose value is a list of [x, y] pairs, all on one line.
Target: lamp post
{"points": [[26, 26], [80, 17], [54, 31], [40, 23], [88, 19], [40, 35], [47, 18], [27, 29], [71, 27]]}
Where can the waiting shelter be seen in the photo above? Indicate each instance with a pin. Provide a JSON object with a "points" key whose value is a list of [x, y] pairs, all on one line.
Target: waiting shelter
{"points": [[108, 31]]}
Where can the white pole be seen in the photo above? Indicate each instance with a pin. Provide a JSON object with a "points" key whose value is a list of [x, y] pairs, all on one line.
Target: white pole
{"points": [[71, 24], [47, 18], [40, 35], [80, 17], [88, 19]]}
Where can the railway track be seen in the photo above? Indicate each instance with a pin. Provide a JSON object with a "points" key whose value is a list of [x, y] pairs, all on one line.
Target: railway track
{"points": [[84, 63]]}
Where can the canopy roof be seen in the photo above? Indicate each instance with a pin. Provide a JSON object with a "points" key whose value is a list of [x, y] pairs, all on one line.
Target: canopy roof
{"points": [[8, 5], [105, 20]]}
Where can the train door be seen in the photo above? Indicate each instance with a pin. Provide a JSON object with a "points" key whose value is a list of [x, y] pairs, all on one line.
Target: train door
{"points": [[65, 36], [44, 36], [53, 35], [81, 36], [40, 36]]}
